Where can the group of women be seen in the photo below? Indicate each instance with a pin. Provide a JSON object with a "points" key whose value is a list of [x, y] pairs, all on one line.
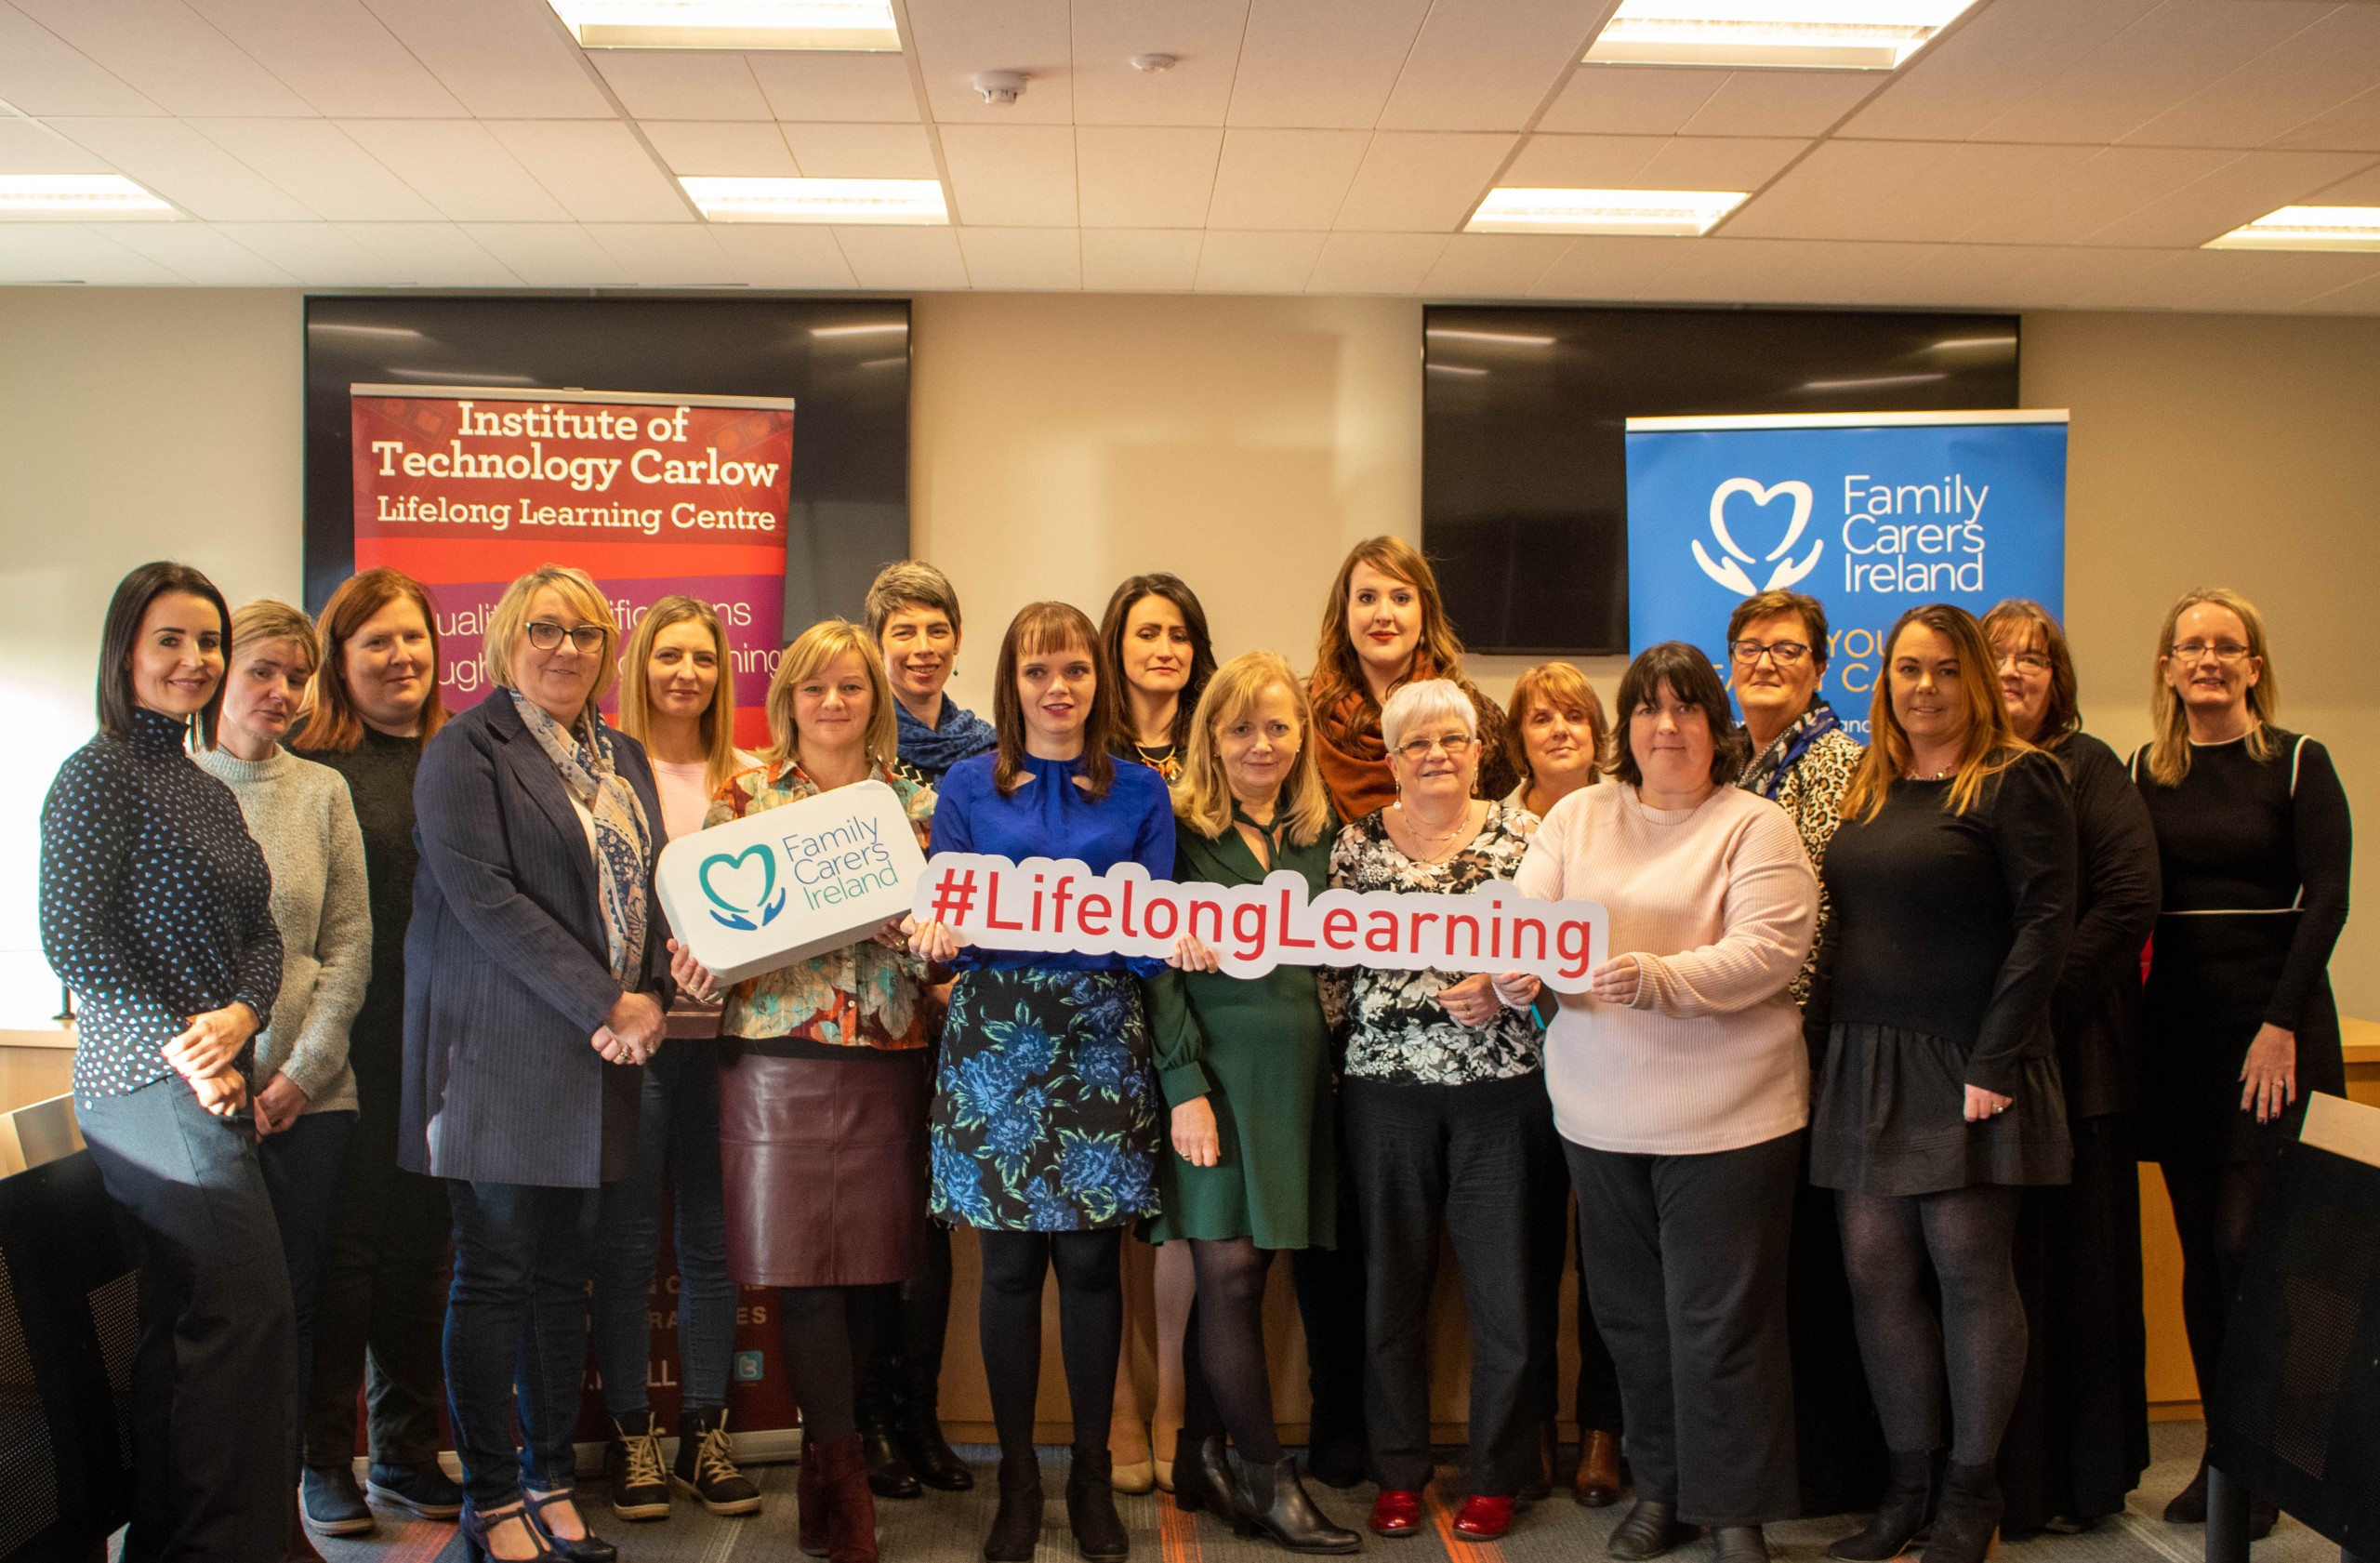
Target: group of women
{"points": [[1873, 1013]]}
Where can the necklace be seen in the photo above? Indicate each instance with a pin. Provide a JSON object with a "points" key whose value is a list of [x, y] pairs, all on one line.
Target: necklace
{"points": [[1937, 775], [1439, 841]]}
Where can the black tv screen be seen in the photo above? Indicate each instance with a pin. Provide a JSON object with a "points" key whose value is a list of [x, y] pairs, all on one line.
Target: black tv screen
{"points": [[845, 362], [1524, 474]]}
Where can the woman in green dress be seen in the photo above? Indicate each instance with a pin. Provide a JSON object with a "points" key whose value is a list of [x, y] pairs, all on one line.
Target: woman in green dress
{"points": [[1245, 1066]]}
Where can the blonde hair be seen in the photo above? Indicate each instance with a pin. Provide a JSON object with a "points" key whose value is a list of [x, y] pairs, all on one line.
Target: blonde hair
{"points": [[267, 618], [2169, 749], [1556, 685], [811, 651], [1202, 799], [717, 722], [1992, 746], [509, 620]]}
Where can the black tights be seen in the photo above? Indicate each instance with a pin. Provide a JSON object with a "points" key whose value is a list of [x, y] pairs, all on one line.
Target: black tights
{"points": [[825, 1332], [1978, 1336], [1090, 1328], [2214, 1205], [1225, 1385]]}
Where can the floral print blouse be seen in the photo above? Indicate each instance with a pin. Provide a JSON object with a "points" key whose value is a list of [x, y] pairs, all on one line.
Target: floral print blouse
{"points": [[862, 995], [1397, 1030]]}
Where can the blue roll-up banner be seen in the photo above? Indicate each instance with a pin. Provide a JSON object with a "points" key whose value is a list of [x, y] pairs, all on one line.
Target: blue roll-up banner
{"points": [[1871, 513]]}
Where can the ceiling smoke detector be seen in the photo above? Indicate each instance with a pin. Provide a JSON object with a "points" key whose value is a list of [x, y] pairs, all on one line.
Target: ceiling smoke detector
{"points": [[1153, 62], [1001, 87]]}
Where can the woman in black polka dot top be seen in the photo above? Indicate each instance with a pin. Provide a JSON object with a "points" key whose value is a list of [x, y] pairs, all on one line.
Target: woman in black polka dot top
{"points": [[156, 909]]}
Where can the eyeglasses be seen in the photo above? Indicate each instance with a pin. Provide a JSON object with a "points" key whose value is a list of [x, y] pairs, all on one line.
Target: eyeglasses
{"points": [[2222, 651], [2023, 661], [1416, 750], [586, 638], [1785, 654]]}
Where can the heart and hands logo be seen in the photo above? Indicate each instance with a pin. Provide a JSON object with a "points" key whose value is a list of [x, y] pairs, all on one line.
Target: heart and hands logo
{"points": [[744, 898], [1725, 569]]}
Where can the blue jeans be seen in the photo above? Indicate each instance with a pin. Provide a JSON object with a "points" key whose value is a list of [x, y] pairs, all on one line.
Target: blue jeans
{"points": [[677, 1132], [300, 1167], [516, 1334]]}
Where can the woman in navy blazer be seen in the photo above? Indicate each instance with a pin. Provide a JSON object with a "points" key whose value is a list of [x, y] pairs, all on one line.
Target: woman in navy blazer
{"points": [[537, 972]]}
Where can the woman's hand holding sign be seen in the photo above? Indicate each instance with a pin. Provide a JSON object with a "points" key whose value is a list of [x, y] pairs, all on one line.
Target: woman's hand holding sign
{"points": [[692, 978], [933, 941], [1191, 954]]}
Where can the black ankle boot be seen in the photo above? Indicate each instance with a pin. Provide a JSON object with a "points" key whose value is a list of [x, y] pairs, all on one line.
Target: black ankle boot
{"points": [[1016, 1529], [1099, 1531], [917, 1431], [1202, 1481], [1906, 1504], [1276, 1505], [1966, 1520], [1650, 1529], [1739, 1543]]}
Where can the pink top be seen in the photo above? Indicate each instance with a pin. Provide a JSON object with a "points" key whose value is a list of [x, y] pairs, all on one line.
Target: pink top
{"points": [[684, 801]]}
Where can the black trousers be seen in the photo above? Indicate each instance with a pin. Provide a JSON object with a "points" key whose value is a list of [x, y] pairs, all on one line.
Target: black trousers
{"points": [[1597, 1400], [1689, 1285], [380, 1299], [1330, 1284], [213, 1378], [1462, 1159]]}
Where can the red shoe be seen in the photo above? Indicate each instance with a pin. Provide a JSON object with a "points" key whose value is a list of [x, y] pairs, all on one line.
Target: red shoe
{"points": [[1398, 1513], [1483, 1519]]}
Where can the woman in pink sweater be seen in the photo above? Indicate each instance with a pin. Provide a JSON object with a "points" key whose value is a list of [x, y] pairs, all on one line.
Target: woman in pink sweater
{"points": [[1681, 1089]]}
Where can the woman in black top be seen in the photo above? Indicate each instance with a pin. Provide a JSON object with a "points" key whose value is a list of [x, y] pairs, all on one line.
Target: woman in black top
{"points": [[2254, 842], [2079, 1437], [156, 909], [1939, 1099]]}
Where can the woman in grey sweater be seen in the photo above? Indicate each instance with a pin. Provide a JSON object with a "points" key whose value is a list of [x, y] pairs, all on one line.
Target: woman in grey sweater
{"points": [[301, 816]]}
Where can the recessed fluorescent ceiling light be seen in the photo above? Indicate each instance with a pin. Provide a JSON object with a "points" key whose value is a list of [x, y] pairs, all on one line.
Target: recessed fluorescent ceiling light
{"points": [[2332, 228], [1503, 338], [1824, 35], [1515, 210], [77, 197], [730, 24], [850, 201]]}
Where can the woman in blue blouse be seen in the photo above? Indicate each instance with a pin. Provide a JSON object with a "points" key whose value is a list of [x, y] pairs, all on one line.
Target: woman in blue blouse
{"points": [[1045, 1131]]}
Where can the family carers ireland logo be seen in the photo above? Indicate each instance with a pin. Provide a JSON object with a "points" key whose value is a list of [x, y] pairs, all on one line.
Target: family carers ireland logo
{"points": [[740, 897], [1728, 568]]}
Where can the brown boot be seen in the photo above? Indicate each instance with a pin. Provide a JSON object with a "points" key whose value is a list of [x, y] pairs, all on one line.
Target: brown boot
{"points": [[810, 1504], [300, 1548], [851, 1507], [1600, 1474]]}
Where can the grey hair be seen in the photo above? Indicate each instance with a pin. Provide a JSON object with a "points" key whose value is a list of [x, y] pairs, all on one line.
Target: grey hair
{"points": [[1428, 700]]}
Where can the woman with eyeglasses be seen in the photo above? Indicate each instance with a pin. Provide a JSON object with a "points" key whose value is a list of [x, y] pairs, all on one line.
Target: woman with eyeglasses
{"points": [[1448, 1125], [2253, 844]]}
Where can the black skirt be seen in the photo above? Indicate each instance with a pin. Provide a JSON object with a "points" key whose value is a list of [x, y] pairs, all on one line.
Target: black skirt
{"points": [[1889, 1117]]}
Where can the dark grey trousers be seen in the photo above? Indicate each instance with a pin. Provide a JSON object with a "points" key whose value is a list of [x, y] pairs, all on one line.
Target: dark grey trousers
{"points": [[1686, 1261], [213, 1390]]}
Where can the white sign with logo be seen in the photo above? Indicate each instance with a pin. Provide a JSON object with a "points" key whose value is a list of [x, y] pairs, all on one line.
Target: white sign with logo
{"points": [[784, 884]]}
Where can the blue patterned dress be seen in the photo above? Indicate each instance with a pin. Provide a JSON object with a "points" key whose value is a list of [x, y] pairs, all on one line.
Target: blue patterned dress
{"points": [[1045, 1112]]}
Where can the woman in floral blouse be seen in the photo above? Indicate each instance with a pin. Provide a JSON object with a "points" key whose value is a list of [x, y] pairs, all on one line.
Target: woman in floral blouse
{"points": [[823, 1089], [1447, 1123]]}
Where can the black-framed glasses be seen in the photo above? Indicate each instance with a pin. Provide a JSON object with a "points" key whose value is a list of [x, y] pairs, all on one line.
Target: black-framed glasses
{"points": [[1416, 750], [1785, 654], [2222, 651], [546, 635]]}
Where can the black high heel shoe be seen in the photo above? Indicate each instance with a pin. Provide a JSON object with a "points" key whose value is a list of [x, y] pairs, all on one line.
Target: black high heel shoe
{"points": [[474, 1526], [588, 1548]]}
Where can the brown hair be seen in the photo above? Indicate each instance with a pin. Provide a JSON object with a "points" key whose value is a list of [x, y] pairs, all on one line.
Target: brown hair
{"points": [[1039, 627], [911, 583], [1992, 746], [1554, 685], [718, 720], [329, 721], [1202, 799], [1776, 604], [811, 651], [2169, 747], [1202, 645], [122, 634], [2022, 620], [1687, 672], [1438, 652]]}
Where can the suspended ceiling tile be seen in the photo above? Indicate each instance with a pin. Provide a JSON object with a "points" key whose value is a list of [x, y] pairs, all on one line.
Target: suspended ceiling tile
{"points": [[2055, 277], [1202, 36], [1426, 181], [199, 254], [2355, 298], [2002, 52], [2169, 55], [862, 151], [1493, 265], [548, 253], [2109, 182], [71, 252], [1257, 263], [682, 83], [2245, 279], [433, 254], [1632, 99], [1580, 162], [805, 85], [1146, 175], [316, 162], [1358, 263], [2361, 188], [665, 254], [1743, 163], [1898, 190], [1285, 178], [29, 147], [595, 168], [2354, 125], [1145, 260], [1021, 260], [1603, 266], [904, 260], [503, 58], [318, 254], [1803, 103], [721, 148], [169, 54], [334, 54], [1012, 176], [954, 40], [1489, 64], [783, 255], [1322, 64], [178, 162], [458, 167], [2242, 188], [2306, 75], [43, 75]]}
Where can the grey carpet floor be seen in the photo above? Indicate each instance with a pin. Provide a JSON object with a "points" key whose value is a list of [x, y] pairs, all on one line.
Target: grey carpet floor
{"points": [[948, 1528]]}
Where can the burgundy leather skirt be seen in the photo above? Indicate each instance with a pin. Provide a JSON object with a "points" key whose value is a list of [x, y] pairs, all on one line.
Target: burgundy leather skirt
{"points": [[825, 1164]]}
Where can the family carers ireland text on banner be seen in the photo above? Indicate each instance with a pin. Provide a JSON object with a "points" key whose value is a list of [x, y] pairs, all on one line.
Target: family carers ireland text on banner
{"points": [[465, 488], [1060, 905]]}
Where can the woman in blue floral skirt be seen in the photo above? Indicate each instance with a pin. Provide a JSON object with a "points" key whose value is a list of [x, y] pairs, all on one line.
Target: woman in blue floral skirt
{"points": [[1046, 1128]]}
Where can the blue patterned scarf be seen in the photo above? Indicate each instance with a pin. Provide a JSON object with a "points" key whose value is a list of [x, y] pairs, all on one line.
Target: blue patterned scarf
{"points": [[1765, 775], [623, 836], [962, 735]]}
